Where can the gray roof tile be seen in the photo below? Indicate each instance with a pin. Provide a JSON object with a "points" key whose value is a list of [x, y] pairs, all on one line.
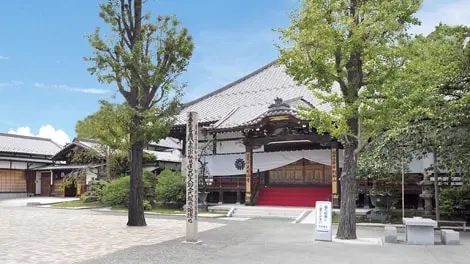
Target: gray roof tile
{"points": [[28, 145], [248, 98]]}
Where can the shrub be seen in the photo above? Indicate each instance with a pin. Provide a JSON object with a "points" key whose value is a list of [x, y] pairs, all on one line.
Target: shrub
{"points": [[455, 199], [171, 187], [96, 191], [117, 192], [149, 187], [147, 205]]}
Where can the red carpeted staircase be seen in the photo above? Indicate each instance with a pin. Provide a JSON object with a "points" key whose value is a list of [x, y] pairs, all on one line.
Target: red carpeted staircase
{"points": [[293, 196]]}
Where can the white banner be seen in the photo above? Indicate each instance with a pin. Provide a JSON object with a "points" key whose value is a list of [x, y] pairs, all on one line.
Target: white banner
{"points": [[233, 164]]}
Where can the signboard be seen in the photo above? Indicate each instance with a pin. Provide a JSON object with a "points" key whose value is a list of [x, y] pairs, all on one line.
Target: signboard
{"points": [[323, 221], [191, 172], [248, 177]]}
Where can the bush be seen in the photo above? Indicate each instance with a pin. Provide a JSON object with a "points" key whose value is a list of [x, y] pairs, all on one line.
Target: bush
{"points": [[117, 192], [147, 205], [149, 187], [455, 199], [171, 187], [96, 191]]}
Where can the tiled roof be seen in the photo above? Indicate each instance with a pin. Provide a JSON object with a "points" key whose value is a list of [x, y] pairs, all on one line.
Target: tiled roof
{"points": [[28, 145], [248, 98], [171, 143]]}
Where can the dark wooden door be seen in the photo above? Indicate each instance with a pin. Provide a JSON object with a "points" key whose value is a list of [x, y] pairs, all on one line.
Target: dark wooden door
{"points": [[45, 184]]}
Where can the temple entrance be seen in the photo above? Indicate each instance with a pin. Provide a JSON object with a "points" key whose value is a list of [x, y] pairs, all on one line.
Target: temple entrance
{"points": [[302, 172]]}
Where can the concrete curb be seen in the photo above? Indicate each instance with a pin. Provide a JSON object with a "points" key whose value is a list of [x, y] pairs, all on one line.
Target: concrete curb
{"points": [[108, 210]]}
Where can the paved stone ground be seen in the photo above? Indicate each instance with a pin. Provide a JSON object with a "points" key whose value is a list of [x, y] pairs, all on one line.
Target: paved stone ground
{"points": [[278, 241], [45, 235], [41, 200]]}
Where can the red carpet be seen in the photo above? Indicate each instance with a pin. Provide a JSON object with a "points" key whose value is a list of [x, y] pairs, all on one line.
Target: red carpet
{"points": [[293, 196]]}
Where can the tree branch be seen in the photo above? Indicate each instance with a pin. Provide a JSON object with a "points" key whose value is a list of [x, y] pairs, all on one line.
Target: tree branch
{"points": [[126, 25]]}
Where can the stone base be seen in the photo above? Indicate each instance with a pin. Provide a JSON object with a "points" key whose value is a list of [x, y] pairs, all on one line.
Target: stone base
{"points": [[391, 234], [199, 242], [450, 237]]}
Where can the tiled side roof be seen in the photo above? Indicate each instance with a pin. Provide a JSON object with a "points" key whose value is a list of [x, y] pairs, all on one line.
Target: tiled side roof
{"points": [[168, 142], [246, 99], [28, 145]]}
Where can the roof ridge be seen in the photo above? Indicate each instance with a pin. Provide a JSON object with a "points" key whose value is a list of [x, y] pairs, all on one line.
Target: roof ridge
{"points": [[230, 84], [28, 137]]}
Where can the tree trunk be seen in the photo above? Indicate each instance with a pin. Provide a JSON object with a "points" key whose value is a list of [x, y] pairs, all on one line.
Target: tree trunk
{"points": [[136, 198], [347, 224]]}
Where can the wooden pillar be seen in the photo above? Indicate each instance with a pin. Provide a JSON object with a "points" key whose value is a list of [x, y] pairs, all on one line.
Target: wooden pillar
{"points": [[221, 197], [248, 174], [239, 196], [334, 174], [366, 201]]}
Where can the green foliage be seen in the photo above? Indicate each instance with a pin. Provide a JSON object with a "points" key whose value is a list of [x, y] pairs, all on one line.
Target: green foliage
{"points": [[147, 205], [109, 126], [144, 58], [116, 193], [455, 199], [84, 156], [149, 186], [345, 51], [171, 187], [433, 115], [96, 189]]}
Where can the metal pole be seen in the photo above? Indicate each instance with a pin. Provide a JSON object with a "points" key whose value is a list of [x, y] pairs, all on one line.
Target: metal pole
{"points": [[436, 186]]}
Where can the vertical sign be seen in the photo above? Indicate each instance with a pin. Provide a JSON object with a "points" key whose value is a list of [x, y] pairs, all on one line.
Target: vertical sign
{"points": [[248, 177], [191, 177], [334, 175], [323, 221]]}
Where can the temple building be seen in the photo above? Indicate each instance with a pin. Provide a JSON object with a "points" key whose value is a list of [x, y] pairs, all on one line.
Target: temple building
{"points": [[256, 149]]}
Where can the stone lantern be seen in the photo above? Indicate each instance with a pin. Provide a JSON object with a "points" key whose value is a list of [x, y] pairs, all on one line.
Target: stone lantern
{"points": [[427, 193]]}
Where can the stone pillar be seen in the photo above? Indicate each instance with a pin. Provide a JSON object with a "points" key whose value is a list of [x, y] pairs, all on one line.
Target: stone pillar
{"points": [[221, 197], [334, 174], [239, 196], [248, 174], [191, 172]]}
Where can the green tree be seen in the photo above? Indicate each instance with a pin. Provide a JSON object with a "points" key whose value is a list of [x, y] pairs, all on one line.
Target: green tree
{"points": [[345, 51], [144, 59]]}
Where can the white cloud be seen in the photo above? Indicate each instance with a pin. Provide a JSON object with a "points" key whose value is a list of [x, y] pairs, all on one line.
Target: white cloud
{"points": [[72, 89], [448, 12], [47, 131], [4, 58], [11, 84]]}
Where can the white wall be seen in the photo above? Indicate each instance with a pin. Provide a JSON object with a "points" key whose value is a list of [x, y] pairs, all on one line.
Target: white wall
{"points": [[17, 165], [234, 146]]}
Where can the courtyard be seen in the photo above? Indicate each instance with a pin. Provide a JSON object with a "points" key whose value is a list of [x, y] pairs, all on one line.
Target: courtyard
{"points": [[46, 235]]}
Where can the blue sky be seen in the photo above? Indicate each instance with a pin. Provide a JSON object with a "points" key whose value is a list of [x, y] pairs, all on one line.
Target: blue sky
{"points": [[45, 88]]}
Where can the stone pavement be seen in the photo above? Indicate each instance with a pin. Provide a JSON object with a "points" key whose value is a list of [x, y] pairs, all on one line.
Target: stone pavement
{"points": [[45, 235], [279, 241], [39, 200]]}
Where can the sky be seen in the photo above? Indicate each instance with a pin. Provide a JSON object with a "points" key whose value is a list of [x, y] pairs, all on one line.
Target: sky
{"points": [[44, 84]]}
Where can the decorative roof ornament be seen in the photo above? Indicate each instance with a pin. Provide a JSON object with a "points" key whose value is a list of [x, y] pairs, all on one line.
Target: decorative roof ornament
{"points": [[279, 104]]}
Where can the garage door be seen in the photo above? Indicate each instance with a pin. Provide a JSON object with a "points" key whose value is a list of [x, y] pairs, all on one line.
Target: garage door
{"points": [[12, 181]]}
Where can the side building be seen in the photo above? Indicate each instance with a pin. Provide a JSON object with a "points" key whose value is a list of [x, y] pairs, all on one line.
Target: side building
{"points": [[257, 149], [20, 156]]}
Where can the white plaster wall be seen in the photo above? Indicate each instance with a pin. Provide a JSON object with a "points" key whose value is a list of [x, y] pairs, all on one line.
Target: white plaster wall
{"points": [[38, 182], [19, 165], [234, 146], [4, 164]]}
